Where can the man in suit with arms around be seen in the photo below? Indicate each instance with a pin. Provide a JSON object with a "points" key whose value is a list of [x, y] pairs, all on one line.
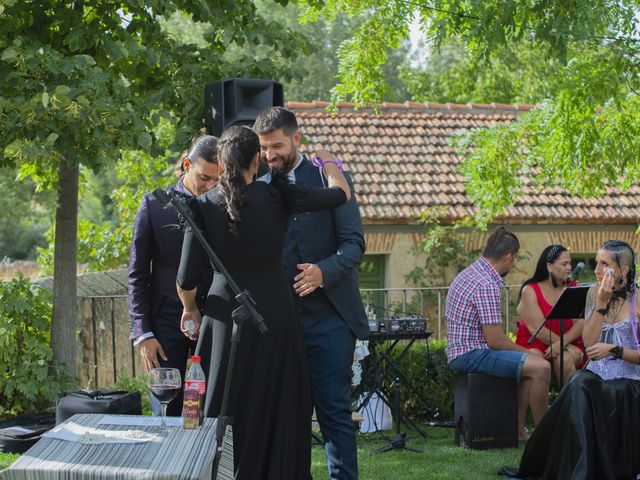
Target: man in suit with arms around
{"points": [[322, 251], [154, 307]]}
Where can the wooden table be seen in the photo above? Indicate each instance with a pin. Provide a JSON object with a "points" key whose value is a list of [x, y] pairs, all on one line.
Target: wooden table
{"points": [[180, 455]]}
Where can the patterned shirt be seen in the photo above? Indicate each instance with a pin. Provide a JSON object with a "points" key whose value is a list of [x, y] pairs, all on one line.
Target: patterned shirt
{"points": [[473, 300]]}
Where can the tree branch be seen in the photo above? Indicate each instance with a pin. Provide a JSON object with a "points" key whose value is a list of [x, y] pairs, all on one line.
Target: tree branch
{"points": [[448, 12]]}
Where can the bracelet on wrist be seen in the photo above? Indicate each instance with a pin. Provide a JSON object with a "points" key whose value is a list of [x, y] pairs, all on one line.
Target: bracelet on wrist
{"points": [[318, 162], [617, 351]]}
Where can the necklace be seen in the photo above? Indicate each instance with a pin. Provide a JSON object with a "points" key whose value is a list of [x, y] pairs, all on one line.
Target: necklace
{"points": [[615, 307]]}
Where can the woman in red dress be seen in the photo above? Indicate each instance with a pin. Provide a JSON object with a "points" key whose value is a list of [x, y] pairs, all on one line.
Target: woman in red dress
{"points": [[537, 297]]}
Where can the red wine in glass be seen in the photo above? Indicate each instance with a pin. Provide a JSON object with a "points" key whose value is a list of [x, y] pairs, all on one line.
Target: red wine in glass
{"points": [[164, 383], [164, 393]]}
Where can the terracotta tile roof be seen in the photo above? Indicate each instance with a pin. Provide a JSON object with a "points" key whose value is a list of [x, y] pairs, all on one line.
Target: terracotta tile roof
{"points": [[402, 163]]}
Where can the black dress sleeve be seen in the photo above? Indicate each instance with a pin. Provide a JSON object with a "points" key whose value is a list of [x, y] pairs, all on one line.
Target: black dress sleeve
{"points": [[191, 261], [298, 198], [193, 255]]}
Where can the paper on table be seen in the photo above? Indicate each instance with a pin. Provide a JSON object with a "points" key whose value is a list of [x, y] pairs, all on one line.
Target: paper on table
{"points": [[139, 421], [72, 432]]}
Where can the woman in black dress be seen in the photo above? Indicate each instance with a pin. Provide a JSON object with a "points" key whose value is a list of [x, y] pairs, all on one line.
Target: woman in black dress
{"points": [[244, 221]]}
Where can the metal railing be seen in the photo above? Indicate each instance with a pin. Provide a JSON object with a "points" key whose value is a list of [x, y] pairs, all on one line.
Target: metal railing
{"points": [[428, 302]]}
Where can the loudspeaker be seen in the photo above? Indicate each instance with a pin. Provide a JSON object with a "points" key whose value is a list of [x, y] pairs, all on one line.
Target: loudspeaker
{"points": [[486, 411], [238, 101]]}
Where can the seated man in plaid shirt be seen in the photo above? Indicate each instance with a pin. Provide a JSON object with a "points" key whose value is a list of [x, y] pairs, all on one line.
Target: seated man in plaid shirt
{"points": [[476, 342]]}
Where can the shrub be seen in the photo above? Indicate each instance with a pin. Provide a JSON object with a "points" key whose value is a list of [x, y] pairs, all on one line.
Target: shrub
{"points": [[425, 365], [133, 384], [28, 382]]}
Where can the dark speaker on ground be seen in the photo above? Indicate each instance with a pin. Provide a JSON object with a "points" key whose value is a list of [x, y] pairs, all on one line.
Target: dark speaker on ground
{"points": [[238, 101], [486, 412]]}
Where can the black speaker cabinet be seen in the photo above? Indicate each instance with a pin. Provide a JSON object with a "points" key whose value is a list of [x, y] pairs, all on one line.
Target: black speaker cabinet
{"points": [[486, 411], [238, 101]]}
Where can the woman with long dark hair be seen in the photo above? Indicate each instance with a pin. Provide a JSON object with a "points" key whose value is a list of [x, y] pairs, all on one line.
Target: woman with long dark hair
{"points": [[245, 221], [537, 297], [591, 430], [611, 329]]}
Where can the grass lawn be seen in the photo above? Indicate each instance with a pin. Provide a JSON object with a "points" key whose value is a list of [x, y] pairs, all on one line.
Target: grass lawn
{"points": [[440, 459], [7, 459]]}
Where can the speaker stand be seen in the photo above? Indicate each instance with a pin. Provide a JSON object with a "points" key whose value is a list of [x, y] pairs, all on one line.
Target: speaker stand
{"points": [[398, 441]]}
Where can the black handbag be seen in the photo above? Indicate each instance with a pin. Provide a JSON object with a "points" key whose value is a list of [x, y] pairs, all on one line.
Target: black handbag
{"points": [[96, 401], [18, 434]]}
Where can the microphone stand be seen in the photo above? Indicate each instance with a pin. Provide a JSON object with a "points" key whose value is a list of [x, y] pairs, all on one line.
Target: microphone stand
{"points": [[535, 334], [245, 310], [542, 324]]}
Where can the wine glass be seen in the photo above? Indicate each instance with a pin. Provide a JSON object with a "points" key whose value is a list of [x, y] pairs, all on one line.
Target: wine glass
{"points": [[164, 383]]}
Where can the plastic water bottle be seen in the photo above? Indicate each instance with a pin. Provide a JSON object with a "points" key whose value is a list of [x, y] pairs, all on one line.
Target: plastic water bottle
{"points": [[195, 380]]}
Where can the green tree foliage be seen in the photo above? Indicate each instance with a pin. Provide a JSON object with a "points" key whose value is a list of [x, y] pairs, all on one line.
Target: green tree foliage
{"points": [[362, 58], [27, 383], [108, 200], [80, 81], [518, 73], [582, 139], [447, 255], [24, 216], [104, 239], [316, 73]]}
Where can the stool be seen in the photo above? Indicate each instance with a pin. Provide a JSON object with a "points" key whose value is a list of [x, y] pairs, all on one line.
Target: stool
{"points": [[486, 411]]}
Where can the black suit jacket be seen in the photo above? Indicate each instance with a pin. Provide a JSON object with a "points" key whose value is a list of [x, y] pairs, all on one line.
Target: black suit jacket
{"points": [[156, 247], [334, 240]]}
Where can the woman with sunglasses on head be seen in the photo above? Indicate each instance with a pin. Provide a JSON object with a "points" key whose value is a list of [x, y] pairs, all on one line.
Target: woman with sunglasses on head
{"points": [[611, 330], [590, 431]]}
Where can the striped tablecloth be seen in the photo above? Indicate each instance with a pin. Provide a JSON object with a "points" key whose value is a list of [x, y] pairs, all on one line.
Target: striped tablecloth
{"points": [[182, 454]]}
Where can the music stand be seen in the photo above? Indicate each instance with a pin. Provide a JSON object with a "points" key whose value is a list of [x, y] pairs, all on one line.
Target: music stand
{"points": [[570, 304]]}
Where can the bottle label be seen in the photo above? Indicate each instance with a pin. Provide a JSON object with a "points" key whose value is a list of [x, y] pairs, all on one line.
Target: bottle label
{"points": [[191, 409], [197, 385]]}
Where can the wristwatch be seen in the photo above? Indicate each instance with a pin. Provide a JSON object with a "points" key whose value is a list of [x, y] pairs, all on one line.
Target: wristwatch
{"points": [[617, 351], [603, 311]]}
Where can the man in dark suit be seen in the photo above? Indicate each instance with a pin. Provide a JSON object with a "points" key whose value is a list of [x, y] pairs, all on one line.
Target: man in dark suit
{"points": [[154, 307], [322, 251]]}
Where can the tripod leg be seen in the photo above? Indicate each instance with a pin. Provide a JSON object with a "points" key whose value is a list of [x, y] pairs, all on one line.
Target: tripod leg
{"points": [[386, 448], [414, 426], [398, 442]]}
